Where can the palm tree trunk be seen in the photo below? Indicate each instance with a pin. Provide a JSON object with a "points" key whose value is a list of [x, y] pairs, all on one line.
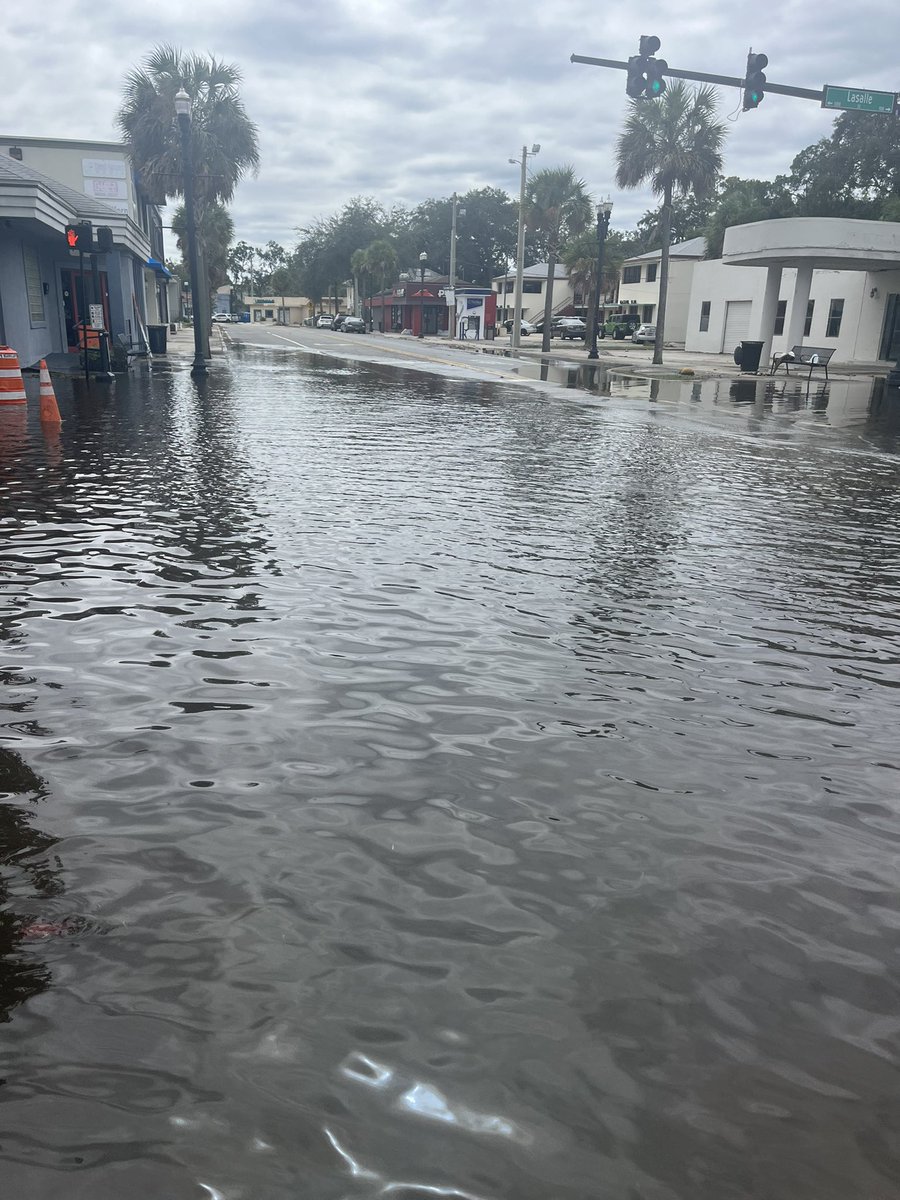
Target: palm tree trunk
{"points": [[548, 299], [665, 229]]}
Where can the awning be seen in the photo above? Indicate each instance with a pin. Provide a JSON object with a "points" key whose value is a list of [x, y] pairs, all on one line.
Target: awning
{"points": [[160, 268]]}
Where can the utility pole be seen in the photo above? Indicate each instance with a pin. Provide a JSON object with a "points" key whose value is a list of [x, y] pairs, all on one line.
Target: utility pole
{"points": [[451, 315], [516, 334]]}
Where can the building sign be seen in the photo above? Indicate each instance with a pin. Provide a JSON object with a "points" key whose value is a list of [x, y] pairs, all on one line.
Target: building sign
{"points": [[107, 189], [103, 168]]}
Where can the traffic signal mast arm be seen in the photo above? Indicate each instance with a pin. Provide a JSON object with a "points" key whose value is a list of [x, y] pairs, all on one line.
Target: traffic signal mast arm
{"points": [[782, 89]]}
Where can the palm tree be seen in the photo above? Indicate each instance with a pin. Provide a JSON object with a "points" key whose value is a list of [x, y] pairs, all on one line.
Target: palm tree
{"points": [[223, 143], [382, 262], [223, 138], [215, 229], [580, 258], [556, 206], [674, 144]]}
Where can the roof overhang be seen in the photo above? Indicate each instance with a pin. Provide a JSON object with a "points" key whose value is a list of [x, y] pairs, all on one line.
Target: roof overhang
{"points": [[823, 243]]}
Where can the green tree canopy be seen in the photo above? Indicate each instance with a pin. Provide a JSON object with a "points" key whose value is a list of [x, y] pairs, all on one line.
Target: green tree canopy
{"points": [[215, 229], [853, 173], [741, 201]]}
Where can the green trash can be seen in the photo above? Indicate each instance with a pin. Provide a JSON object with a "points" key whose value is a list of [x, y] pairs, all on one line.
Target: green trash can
{"points": [[156, 336]]}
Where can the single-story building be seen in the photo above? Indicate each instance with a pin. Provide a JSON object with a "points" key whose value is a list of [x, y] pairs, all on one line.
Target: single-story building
{"points": [[826, 281], [425, 306]]}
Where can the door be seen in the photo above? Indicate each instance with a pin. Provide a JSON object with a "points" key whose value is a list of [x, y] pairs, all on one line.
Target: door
{"points": [[737, 323], [890, 339], [75, 303]]}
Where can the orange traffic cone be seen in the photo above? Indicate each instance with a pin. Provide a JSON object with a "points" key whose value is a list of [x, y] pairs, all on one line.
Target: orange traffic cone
{"points": [[12, 389], [49, 407]]}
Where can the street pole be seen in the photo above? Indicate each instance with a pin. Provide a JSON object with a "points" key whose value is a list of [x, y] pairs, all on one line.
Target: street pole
{"points": [[423, 258], [183, 111], [603, 212], [516, 335], [451, 313]]}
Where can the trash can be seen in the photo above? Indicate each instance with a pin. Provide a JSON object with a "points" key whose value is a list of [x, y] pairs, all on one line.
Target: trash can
{"points": [[751, 352], [156, 337]]}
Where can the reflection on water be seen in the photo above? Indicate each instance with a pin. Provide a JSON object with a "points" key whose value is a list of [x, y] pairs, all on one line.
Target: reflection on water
{"points": [[481, 792]]}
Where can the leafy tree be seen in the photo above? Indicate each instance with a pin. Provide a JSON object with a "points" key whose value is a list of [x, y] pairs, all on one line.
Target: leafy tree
{"points": [[240, 265], [556, 204], [853, 173], [381, 260], [487, 227], [674, 144], [741, 201]]}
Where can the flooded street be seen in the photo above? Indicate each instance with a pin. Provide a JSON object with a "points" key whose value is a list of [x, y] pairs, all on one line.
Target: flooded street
{"points": [[420, 787]]}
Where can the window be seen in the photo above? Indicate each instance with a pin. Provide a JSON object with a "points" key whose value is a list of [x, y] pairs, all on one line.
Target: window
{"points": [[269, 314], [647, 314], [532, 286], [704, 315], [780, 312], [835, 313], [651, 272], [809, 316], [33, 286], [631, 274]]}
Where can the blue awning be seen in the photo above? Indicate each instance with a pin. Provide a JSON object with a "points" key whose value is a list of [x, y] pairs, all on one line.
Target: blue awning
{"points": [[160, 268]]}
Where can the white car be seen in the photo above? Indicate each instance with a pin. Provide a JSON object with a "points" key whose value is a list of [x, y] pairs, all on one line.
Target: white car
{"points": [[526, 327], [644, 333], [221, 318], [324, 322]]}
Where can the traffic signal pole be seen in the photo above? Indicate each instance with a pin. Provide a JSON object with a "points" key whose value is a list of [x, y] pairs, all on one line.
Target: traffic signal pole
{"points": [[783, 89]]}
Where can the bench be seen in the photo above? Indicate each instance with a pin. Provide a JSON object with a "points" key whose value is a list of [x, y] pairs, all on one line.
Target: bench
{"points": [[803, 356]]}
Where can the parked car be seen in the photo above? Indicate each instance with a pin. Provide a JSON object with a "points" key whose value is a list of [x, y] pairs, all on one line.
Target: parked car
{"points": [[221, 318], [568, 328], [354, 325], [644, 333], [621, 326], [339, 320], [526, 327], [324, 321]]}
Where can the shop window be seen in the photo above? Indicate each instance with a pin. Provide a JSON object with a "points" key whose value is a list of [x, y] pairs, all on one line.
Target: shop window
{"points": [[835, 315], [705, 308], [780, 313], [807, 325], [631, 274], [651, 272]]}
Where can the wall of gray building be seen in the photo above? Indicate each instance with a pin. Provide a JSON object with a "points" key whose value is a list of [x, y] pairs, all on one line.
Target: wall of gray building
{"points": [[31, 341]]}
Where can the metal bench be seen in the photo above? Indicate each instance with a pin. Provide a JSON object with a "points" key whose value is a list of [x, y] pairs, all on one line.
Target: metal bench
{"points": [[803, 356]]}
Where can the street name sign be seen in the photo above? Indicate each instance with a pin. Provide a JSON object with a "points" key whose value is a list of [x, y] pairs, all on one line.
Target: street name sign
{"points": [[858, 99]]}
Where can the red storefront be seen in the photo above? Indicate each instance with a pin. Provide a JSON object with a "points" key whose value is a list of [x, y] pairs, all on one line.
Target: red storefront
{"points": [[420, 306]]}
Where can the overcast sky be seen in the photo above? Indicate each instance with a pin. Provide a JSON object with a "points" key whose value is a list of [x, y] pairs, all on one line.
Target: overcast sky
{"points": [[407, 99]]}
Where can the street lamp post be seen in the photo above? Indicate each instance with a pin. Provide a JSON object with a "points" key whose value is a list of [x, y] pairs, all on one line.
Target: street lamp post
{"points": [[516, 335], [183, 111], [456, 211], [423, 258], [604, 208]]}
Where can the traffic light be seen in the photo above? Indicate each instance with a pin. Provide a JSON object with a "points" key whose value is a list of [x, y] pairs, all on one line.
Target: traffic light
{"points": [[80, 236], [754, 81], [104, 239], [645, 73]]}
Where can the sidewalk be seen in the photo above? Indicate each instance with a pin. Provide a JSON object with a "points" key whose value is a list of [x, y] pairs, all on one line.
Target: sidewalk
{"points": [[638, 359]]}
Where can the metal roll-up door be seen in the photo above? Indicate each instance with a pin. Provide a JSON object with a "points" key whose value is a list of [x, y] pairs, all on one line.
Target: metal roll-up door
{"points": [[737, 323]]}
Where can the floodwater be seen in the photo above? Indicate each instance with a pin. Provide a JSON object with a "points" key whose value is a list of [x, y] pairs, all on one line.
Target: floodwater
{"points": [[421, 788]]}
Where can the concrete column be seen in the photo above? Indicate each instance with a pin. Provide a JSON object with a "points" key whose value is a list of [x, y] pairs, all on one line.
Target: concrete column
{"points": [[768, 314], [798, 306]]}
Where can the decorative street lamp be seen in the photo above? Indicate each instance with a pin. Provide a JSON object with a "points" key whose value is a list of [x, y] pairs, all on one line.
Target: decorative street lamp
{"points": [[423, 258], [604, 208], [183, 111], [516, 335]]}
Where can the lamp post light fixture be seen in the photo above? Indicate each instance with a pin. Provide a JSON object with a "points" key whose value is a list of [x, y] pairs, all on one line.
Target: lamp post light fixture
{"points": [[516, 335], [423, 258], [456, 211], [604, 208], [183, 113]]}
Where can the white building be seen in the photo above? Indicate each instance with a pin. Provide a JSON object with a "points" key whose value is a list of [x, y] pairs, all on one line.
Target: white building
{"points": [[819, 281], [534, 285], [639, 286]]}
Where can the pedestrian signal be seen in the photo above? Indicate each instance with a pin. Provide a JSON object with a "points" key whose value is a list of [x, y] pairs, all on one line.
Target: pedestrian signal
{"points": [[79, 236]]}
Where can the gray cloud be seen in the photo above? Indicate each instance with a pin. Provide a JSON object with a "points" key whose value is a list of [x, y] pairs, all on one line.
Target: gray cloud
{"points": [[403, 101]]}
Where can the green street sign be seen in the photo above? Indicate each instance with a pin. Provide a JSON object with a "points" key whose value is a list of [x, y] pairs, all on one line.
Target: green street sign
{"points": [[858, 99]]}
